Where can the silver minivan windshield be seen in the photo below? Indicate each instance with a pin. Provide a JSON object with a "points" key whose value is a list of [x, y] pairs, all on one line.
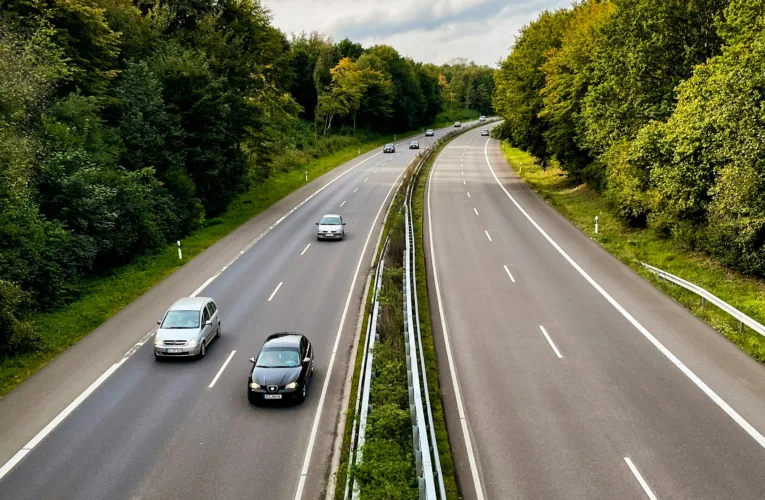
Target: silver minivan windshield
{"points": [[181, 319], [330, 221]]}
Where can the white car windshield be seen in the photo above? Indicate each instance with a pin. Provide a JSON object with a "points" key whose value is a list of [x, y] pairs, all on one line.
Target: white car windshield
{"points": [[330, 221], [181, 319]]}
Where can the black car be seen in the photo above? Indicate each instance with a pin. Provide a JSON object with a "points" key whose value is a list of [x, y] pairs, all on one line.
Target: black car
{"points": [[282, 370], [414, 145]]}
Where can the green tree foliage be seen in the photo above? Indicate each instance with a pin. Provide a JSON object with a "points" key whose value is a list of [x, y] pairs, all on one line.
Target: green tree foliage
{"points": [[659, 103], [520, 80], [125, 125], [467, 85]]}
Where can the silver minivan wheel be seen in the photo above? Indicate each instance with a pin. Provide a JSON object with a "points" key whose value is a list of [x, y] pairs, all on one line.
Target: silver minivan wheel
{"points": [[202, 350]]}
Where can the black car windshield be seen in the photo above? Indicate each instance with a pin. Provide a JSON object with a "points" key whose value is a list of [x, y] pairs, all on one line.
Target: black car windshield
{"points": [[330, 221], [181, 319], [278, 358]]}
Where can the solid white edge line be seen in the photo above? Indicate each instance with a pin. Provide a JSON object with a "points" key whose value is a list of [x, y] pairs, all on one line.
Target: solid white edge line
{"points": [[487, 235], [225, 364], [639, 477], [58, 419], [549, 340], [447, 343], [275, 290], [759, 438], [64, 413], [475, 210], [306, 247], [322, 397], [509, 274]]}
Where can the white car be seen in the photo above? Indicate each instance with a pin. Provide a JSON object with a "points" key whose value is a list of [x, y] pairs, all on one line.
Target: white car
{"points": [[457, 124], [331, 227], [482, 119], [485, 132]]}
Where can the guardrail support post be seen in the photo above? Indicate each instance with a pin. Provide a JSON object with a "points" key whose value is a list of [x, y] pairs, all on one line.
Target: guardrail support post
{"points": [[740, 327], [703, 302]]}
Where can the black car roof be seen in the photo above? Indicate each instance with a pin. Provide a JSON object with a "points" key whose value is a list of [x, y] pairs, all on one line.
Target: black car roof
{"points": [[283, 339]]}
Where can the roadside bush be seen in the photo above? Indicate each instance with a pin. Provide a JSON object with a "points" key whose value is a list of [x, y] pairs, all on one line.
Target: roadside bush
{"points": [[16, 335]]}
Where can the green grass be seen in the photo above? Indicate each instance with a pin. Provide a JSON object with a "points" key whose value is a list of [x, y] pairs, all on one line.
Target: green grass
{"points": [[459, 114], [426, 331], [104, 296], [580, 204]]}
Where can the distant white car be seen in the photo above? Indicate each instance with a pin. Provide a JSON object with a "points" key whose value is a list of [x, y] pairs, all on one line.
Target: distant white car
{"points": [[482, 119], [331, 227], [429, 133], [485, 132], [457, 124]]}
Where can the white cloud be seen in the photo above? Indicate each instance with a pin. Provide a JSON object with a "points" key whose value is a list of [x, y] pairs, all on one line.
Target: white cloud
{"points": [[425, 30]]}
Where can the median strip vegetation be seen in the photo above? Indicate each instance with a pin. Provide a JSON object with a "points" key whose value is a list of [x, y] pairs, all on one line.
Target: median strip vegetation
{"points": [[388, 449], [580, 204]]}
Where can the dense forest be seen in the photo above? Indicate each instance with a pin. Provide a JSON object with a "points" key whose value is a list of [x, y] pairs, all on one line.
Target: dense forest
{"points": [[125, 125], [658, 104]]}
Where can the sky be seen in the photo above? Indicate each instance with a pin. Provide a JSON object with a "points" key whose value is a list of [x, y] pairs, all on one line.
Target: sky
{"points": [[435, 31]]}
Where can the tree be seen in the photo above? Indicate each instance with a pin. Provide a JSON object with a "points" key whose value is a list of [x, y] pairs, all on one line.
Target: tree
{"points": [[520, 79]]}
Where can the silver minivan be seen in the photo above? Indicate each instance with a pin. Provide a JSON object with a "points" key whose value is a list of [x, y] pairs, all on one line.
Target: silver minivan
{"points": [[187, 328]]}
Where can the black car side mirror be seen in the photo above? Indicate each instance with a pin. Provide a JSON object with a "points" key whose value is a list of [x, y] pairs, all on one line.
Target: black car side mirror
{"points": [[159, 322], [317, 223], [252, 360]]}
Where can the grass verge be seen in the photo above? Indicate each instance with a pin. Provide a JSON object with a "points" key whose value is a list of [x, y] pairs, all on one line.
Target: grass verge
{"points": [[580, 204], [104, 296]]}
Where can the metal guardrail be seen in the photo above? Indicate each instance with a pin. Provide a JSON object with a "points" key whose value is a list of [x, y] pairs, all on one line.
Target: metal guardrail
{"points": [[363, 393], [423, 431], [706, 296]]}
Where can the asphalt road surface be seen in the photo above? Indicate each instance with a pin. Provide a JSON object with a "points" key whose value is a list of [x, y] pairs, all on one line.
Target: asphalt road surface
{"points": [[575, 378], [165, 430]]}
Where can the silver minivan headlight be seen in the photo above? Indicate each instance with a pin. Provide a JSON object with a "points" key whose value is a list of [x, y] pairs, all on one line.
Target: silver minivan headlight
{"points": [[193, 343]]}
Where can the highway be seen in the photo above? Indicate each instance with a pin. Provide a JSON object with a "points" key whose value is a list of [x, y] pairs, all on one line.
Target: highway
{"points": [[184, 429], [564, 374]]}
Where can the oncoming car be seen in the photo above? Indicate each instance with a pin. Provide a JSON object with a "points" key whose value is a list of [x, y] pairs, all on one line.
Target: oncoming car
{"points": [[282, 370], [389, 148], [331, 227], [187, 328], [485, 132], [414, 145]]}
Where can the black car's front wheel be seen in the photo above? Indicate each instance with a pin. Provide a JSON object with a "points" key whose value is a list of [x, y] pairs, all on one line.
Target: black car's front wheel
{"points": [[303, 392]]}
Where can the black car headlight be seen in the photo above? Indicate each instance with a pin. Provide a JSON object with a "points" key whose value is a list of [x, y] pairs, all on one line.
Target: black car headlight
{"points": [[291, 385]]}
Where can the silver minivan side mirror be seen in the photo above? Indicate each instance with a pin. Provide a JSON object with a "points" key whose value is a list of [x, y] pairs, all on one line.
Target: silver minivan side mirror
{"points": [[252, 360], [208, 322], [306, 359]]}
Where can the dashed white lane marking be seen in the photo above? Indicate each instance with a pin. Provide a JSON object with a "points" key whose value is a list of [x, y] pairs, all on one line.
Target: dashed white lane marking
{"points": [[225, 364], [549, 340], [468, 193], [355, 190], [343, 203], [365, 180], [487, 235], [720, 402], [509, 274], [475, 210], [275, 290], [639, 477], [464, 183], [306, 248]]}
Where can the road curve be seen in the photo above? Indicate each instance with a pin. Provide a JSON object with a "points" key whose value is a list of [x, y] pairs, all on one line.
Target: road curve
{"points": [[565, 375], [185, 429]]}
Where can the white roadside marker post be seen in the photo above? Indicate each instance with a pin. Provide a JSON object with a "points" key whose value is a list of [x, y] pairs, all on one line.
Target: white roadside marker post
{"points": [[596, 224], [180, 254]]}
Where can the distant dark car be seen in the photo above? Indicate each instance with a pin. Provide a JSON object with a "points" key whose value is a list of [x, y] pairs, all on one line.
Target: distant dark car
{"points": [[484, 132], [414, 145], [389, 148], [429, 133], [282, 370], [457, 124]]}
